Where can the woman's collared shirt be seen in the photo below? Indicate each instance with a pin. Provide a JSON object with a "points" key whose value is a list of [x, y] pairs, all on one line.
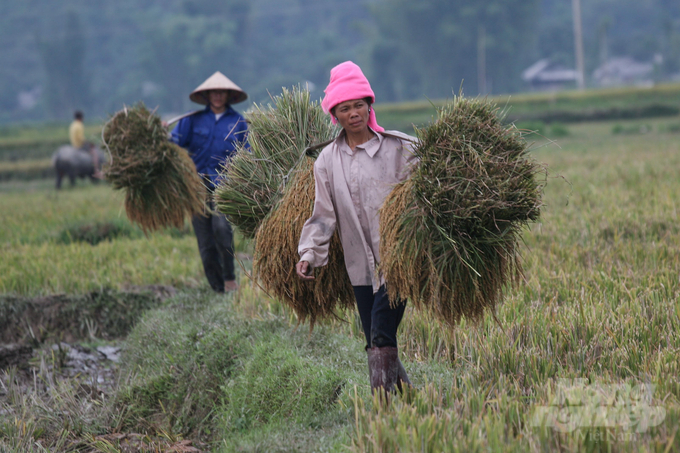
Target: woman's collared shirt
{"points": [[351, 186]]}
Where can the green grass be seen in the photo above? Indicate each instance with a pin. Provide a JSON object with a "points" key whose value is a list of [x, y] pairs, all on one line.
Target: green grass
{"points": [[206, 370], [601, 301], [38, 212], [33, 269], [40, 255]]}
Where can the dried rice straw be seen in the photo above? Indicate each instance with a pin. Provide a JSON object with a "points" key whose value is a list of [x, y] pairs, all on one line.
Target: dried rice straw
{"points": [[160, 181]]}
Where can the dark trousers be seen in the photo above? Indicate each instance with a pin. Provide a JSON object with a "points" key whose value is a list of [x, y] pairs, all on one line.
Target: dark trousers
{"points": [[379, 320], [216, 246]]}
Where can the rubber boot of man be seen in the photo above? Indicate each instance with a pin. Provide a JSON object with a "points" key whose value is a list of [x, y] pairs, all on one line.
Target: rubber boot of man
{"points": [[383, 367]]}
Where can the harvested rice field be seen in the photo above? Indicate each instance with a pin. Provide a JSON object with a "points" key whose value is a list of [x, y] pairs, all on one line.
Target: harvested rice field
{"points": [[586, 356]]}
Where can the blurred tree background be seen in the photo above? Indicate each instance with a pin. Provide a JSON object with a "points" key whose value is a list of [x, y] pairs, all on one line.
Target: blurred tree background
{"points": [[96, 56]]}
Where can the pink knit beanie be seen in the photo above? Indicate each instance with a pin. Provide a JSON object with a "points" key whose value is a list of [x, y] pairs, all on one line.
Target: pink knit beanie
{"points": [[348, 83]]}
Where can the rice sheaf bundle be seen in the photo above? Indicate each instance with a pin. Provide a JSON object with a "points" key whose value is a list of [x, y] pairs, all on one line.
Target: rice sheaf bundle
{"points": [[450, 233], [276, 254], [268, 193], [161, 184], [253, 181]]}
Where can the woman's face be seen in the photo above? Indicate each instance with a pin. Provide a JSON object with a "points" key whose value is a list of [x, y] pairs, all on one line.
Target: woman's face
{"points": [[353, 115]]}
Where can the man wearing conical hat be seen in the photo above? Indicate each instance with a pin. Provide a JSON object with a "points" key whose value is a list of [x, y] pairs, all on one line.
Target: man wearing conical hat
{"points": [[211, 136]]}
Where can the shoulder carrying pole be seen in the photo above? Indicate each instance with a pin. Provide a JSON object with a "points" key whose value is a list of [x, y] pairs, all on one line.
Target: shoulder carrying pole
{"points": [[177, 118], [310, 149]]}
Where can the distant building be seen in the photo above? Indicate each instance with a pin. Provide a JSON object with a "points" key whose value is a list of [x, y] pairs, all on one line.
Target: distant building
{"points": [[624, 71], [545, 75]]}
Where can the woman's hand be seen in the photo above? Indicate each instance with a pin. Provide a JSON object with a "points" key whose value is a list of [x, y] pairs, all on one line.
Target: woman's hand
{"points": [[304, 270]]}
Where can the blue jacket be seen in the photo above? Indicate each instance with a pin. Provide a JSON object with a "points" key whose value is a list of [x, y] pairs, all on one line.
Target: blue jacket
{"points": [[210, 142]]}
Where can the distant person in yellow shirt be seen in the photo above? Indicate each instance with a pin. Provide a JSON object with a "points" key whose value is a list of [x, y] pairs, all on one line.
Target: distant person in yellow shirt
{"points": [[76, 133]]}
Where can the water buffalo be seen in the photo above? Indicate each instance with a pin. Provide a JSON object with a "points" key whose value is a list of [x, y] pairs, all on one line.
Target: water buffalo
{"points": [[72, 162]]}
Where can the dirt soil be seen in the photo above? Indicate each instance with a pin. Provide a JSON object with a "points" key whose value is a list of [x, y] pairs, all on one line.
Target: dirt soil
{"points": [[94, 369], [29, 345]]}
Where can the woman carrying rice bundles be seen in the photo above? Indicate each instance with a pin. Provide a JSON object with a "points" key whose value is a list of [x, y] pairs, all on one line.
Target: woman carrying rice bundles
{"points": [[353, 176], [439, 218]]}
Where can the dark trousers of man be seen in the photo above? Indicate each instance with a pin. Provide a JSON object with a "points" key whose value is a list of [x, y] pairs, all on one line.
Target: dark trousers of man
{"points": [[379, 320], [216, 247]]}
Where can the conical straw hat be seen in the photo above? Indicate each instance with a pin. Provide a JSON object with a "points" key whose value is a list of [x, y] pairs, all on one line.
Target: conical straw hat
{"points": [[218, 81]]}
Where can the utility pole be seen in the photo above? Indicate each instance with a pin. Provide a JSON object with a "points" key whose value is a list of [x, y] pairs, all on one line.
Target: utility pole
{"points": [[604, 46], [578, 44], [481, 59]]}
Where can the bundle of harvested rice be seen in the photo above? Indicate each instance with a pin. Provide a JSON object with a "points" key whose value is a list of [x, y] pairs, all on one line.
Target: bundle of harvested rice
{"points": [[160, 180], [268, 193], [254, 181], [450, 233], [276, 254]]}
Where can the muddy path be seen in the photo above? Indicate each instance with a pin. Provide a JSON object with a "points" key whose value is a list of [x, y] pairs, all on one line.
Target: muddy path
{"points": [[70, 336], [57, 332]]}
